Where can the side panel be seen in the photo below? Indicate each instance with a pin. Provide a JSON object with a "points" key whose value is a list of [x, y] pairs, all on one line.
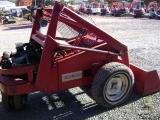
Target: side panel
{"points": [[79, 69], [52, 82], [46, 72]]}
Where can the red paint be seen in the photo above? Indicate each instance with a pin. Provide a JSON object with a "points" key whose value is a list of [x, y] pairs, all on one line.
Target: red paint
{"points": [[86, 52]]}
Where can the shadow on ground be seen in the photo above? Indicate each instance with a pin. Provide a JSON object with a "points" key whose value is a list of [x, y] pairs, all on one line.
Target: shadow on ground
{"points": [[68, 105]]}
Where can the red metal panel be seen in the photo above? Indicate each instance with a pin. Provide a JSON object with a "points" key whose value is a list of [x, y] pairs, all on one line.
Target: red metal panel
{"points": [[52, 81], [145, 82], [152, 83], [140, 76], [11, 81], [44, 76], [16, 71], [35, 25], [80, 62], [18, 89]]}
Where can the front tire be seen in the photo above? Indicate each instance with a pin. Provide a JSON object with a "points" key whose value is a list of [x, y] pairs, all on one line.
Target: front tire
{"points": [[112, 84]]}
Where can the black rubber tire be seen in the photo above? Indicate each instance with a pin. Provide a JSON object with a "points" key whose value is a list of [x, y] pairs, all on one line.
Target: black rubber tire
{"points": [[102, 78], [135, 16], [20, 101], [7, 102], [5, 21], [20, 16], [29, 17], [112, 14], [117, 15]]}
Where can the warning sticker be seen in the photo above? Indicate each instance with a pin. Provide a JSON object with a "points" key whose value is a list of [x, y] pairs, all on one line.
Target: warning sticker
{"points": [[71, 76]]}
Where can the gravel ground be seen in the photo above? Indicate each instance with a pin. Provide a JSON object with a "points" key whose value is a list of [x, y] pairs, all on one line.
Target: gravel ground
{"points": [[142, 38]]}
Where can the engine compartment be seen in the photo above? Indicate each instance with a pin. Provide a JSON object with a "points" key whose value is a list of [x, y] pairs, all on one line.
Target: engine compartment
{"points": [[26, 54]]}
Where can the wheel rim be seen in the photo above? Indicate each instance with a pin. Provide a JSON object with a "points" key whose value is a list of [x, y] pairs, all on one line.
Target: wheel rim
{"points": [[116, 88]]}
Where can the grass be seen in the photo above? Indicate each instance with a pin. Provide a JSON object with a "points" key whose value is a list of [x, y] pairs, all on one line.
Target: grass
{"points": [[148, 103]]}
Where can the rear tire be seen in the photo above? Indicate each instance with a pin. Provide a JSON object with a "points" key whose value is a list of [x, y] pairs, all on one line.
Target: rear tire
{"points": [[112, 84], [135, 16], [7, 102], [5, 21], [20, 101]]}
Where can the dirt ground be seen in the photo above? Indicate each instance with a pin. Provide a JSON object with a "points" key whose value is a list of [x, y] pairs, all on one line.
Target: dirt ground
{"points": [[142, 37]]}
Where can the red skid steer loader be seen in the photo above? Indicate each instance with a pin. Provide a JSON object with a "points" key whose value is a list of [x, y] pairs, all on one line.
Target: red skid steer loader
{"points": [[73, 52]]}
